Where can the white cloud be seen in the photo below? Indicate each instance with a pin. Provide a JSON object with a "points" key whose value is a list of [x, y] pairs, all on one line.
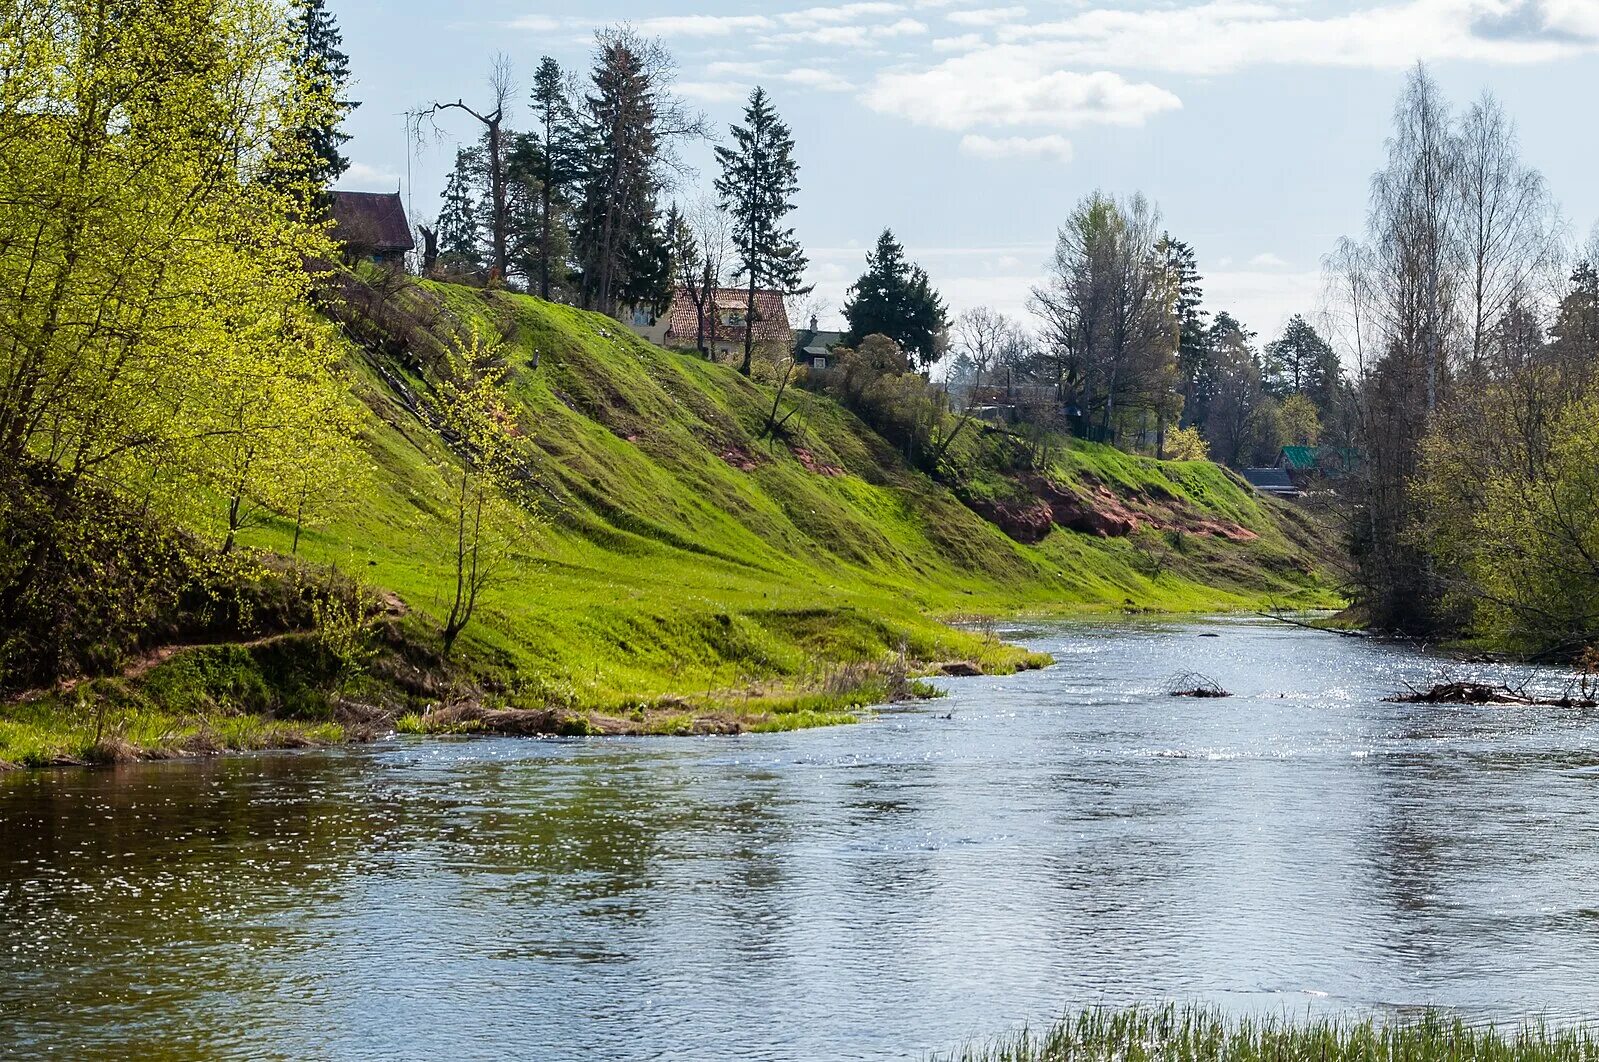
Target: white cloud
{"points": [[712, 91], [1226, 35], [964, 43], [1267, 260], [1053, 147], [361, 177], [536, 23], [1005, 87], [986, 16], [701, 25]]}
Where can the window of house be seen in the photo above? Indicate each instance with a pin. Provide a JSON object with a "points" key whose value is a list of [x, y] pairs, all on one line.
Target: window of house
{"points": [[819, 363]]}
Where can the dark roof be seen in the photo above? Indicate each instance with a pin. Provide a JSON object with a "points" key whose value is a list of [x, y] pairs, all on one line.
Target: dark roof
{"points": [[815, 344], [771, 317], [371, 221], [1270, 480]]}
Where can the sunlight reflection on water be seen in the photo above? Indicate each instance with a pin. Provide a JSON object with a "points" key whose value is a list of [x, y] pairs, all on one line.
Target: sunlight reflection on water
{"points": [[1065, 837]]}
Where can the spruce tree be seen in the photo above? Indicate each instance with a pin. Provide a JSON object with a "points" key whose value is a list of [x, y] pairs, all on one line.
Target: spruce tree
{"points": [[895, 298], [559, 160], [758, 182], [461, 215], [324, 71]]}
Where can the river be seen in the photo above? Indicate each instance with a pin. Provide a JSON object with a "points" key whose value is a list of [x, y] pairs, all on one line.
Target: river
{"points": [[942, 872]]}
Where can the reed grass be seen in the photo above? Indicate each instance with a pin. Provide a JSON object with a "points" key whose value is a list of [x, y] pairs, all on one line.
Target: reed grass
{"points": [[1198, 1034]]}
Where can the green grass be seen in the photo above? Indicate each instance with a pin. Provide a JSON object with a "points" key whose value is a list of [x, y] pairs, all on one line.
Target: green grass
{"points": [[662, 568], [1195, 1034]]}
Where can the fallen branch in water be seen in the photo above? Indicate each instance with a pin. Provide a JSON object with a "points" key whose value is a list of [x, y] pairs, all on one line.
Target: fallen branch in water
{"points": [[1485, 693], [1193, 684], [1280, 618]]}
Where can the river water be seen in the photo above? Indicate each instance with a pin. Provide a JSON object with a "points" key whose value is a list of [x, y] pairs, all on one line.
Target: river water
{"points": [[944, 872]]}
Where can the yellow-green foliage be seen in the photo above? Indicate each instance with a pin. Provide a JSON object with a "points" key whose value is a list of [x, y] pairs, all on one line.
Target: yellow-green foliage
{"points": [[1510, 488], [682, 553], [160, 338]]}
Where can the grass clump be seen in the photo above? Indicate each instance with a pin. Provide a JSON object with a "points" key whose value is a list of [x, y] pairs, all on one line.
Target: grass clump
{"points": [[1199, 1034]]}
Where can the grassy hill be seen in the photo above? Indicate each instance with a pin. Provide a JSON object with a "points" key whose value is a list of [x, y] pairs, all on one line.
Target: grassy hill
{"points": [[687, 569]]}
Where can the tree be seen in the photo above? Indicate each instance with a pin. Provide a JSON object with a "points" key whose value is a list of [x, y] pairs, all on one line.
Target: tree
{"points": [[984, 335], [141, 244], [494, 156], [1508, 224], [1236, 418], [154, 250], [560, 159], [757, 185], [894, 298], [1301, 362], [699, 244], [460, 224], [1108, 311], [471, 385], [321, 65], [1183, 284], [629, 121]]}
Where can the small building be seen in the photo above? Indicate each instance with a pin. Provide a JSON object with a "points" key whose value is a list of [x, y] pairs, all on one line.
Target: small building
{"points": [[1273, 481], [678, 327], [371, 226], [1304, 464], [814, 347]]}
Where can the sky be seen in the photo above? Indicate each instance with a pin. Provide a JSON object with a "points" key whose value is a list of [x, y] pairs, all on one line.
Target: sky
{"points": [[972, 127]]}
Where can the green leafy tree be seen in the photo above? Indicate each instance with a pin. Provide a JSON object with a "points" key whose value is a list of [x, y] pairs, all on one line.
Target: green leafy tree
{"points": [[894, 298], [325, 69], [757, 186]]}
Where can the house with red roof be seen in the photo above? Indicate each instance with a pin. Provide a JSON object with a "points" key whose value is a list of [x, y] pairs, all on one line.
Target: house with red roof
{"points": [[678, 327]]}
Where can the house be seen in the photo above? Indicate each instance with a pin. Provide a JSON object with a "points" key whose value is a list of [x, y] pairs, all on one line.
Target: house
{"points": [[1302, 464], [814, 347], [678, 327], [371, 226], [1274, 481]]}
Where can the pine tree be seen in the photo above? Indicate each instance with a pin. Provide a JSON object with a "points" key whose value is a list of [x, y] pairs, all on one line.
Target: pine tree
{"points": [[461, 216], [324, 71], [1302, 363], [894, 298], [620, 148], [559, 143], [758, 182], [1193, 350]]}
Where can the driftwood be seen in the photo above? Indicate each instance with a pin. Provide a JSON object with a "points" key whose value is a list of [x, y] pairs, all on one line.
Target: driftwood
{"points": [[1280, 618], [1193, 684], [1486, 693]]}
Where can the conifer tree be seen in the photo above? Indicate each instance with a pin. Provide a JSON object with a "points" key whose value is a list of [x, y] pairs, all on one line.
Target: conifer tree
{"points": [[894, 298], [324, 71], [559, 159], [758, 182], [460, 223]]}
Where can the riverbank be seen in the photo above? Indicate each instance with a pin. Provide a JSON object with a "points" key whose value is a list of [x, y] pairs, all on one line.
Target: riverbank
{"points": [[278, 693], [1198, 1034], [682, 569]]}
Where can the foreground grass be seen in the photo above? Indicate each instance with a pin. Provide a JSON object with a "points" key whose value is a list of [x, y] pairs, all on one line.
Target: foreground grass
{"points": [[1197, 1034]]}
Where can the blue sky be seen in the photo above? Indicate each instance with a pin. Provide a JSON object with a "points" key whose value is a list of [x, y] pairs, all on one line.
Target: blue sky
{"points": [[972, 127]]}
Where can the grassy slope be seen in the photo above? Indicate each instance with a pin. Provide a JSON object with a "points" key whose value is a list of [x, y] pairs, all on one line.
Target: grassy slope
{"points": [[664, 568], [666, 581]]}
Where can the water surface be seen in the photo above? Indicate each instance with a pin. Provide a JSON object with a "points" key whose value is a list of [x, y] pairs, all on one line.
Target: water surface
{"points": [[949, 871]]}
